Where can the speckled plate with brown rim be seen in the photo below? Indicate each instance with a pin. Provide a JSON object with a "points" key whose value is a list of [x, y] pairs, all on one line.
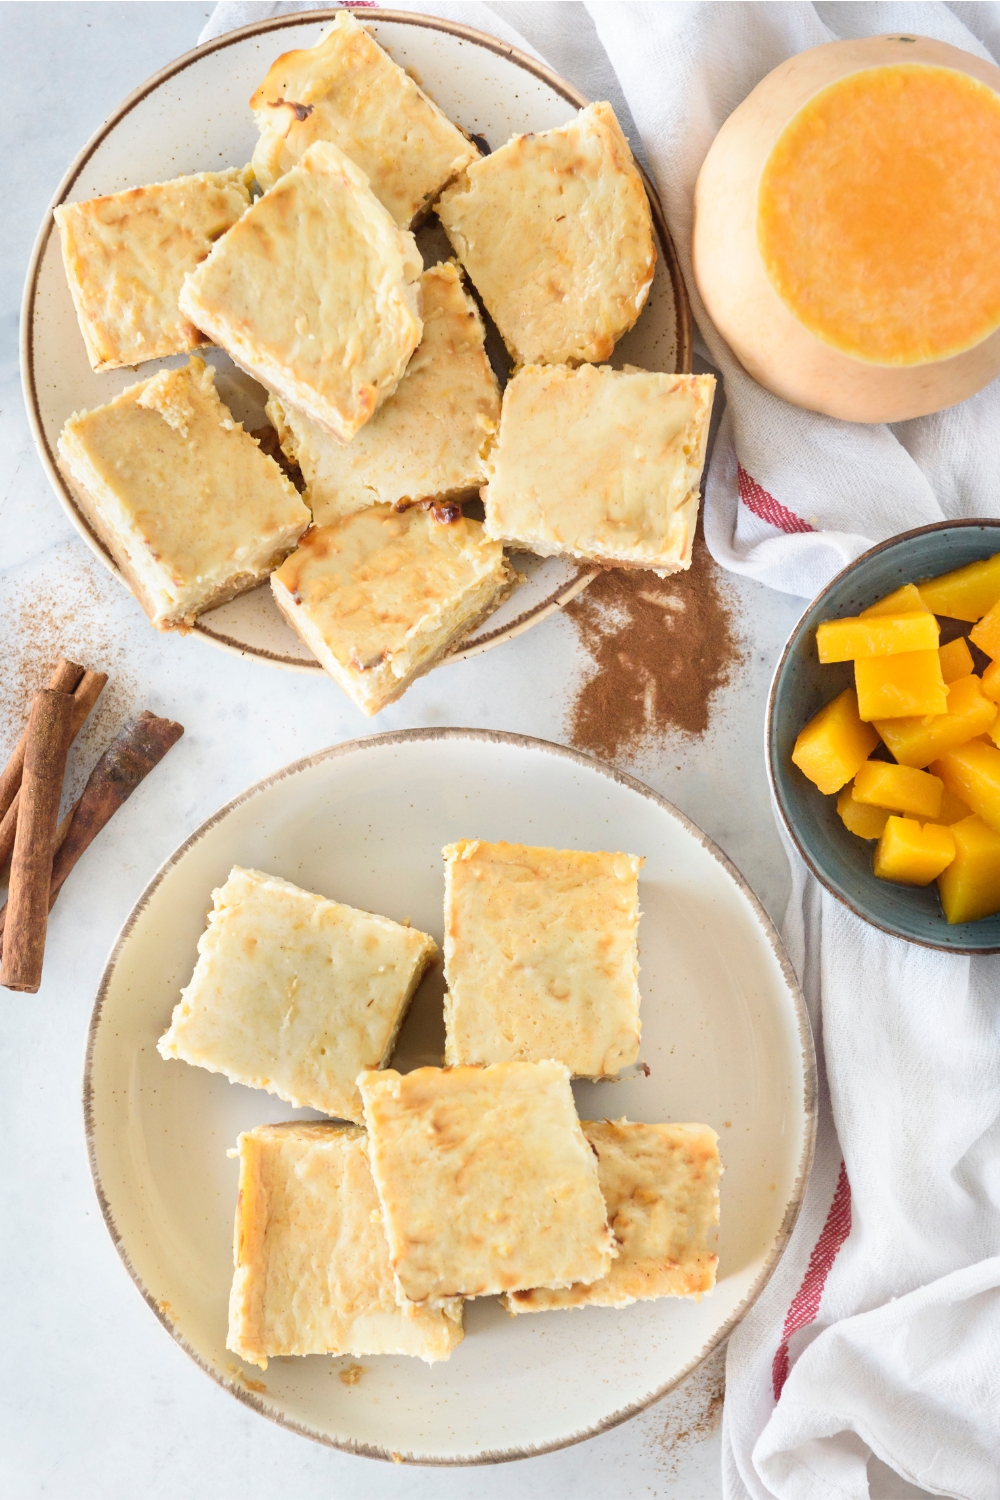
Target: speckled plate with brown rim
{"points": [[725, 1036], [193, 116]]}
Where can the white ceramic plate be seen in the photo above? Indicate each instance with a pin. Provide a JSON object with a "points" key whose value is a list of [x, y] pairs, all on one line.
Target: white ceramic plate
{"points": [[725, 1036], [193, 117]]}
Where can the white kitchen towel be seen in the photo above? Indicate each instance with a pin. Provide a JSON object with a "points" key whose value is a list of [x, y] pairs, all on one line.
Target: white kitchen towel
{"points": [[879, 1333]]}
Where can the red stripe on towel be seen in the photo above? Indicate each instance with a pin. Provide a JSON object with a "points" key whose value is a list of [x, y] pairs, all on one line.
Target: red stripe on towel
{"points": [[805, 1303], [757, 499]]}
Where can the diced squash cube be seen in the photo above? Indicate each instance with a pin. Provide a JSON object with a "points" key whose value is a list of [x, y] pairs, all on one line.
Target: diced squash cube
{"points": [[913, 855], [991, 681], [956, 659], [879, 635], [986, 635], [899, 788], [972, 772], [894, 687], [866, 822], [919, 740], [903, 602], [834, 743], [953, 809], [965, 594], [970, 886]]}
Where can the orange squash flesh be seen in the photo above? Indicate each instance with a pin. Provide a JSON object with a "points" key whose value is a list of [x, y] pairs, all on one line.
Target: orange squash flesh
{"points": [[878, 214]]}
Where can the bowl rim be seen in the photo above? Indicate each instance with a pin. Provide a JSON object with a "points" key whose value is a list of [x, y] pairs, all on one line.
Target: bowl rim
{"points": [[983, 523]]}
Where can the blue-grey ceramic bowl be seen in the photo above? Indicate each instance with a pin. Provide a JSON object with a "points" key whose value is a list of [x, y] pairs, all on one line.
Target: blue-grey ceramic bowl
{"points": [[801, 686]]}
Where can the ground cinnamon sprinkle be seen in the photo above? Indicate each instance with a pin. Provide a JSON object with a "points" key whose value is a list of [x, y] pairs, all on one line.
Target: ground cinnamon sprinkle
{"points": [[661, 647]]}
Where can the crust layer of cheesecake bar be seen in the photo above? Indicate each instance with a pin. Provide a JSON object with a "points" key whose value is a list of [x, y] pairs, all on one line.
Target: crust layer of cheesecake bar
{"points": [[347, 90], [315, 292], [126, 256], [486, 1180], [383, 595], [185, 501], [541, 956], [599, 464], [294, 993], [312, 1272], [661, 1188], [555, 231], [429, 440]]}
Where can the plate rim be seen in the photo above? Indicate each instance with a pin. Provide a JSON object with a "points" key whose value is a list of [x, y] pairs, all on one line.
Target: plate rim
{"points": [[586, 573], [810, 1098], [963, 523]]}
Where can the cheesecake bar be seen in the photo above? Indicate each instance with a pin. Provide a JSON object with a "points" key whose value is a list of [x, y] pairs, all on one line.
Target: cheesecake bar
{"points": [[384, 594], [555, 231], [183, 498], [127, 254], [599, 464], [294, 993], [429, 440], [347, 90], [312, 1272], [541, 956], [661, 1188], [315, 292], [486, 1180]]}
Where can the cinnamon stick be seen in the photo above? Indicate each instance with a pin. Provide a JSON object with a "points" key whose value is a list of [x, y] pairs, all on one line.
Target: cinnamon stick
{"points": [[45, 751], [63, 680], [86, 693]]}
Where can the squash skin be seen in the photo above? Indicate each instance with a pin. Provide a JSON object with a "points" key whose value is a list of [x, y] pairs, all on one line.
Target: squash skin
{"points": [[777, 350]]}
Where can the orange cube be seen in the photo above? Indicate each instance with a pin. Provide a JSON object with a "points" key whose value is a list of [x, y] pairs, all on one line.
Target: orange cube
{"points": [[972, 772], [953, 809], [956, 659], [919, 740], [970, 886], [965, 594], [913, 855], [894, 687], [903, 602], [991, 681], [834, 743], [866, 822], [879, 635], [899, 788], [986, 635]]}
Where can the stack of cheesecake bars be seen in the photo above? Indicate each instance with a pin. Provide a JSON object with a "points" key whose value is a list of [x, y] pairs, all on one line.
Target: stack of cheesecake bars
{"points": [[303, 267], [472, 1180]]}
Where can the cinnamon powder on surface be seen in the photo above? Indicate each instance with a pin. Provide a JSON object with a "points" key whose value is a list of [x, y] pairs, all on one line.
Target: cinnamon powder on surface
{"points": [[660, 648]]}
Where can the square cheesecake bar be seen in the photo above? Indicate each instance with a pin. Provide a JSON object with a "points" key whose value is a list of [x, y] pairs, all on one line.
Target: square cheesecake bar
{"points": [[188, 506], [429, 440], [556, 233], [599, 464], [661, 1188], [315, 292], [294, 993], [486, 1181], [384, 594], [347, 90], [312, 1272], [541, 956], [126, 256]]}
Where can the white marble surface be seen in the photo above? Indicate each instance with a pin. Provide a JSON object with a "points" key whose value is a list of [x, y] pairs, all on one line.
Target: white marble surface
{"points": [[95, 1399]]}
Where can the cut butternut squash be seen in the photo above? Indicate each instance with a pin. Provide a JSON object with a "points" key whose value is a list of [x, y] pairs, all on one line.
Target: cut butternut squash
{"points": [[902, 602], [991, 681], [858, 818], [879, 635], [918, 741], [956, 659], [972, 772], [899, 788], [911, 854], [966, 593], [834, 743], [846, 219], [893, 687], [986, 634], [953, 809], [969, 887]]}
